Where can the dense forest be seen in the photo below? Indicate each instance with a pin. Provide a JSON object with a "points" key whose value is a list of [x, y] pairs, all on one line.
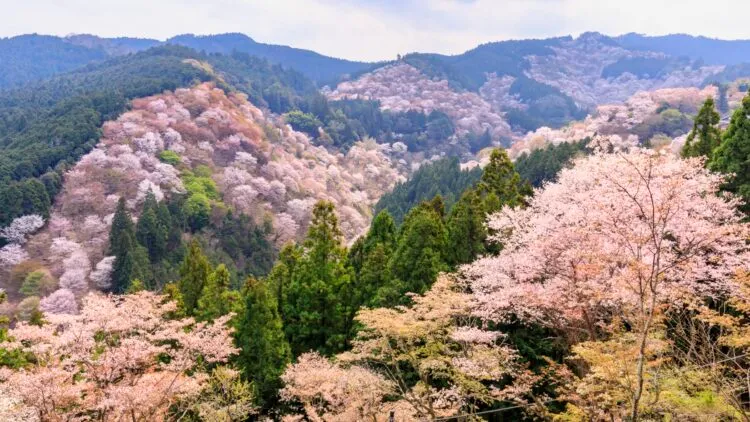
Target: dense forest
{"points": [[590, 278]]}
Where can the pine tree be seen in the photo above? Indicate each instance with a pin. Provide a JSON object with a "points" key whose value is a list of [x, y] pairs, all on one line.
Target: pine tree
{"points": [[212, 303], [150, 230], [131, 259], [193, 277], [706, 129], [732, 156], [419, 255], [122, 225], [466, 231], [368, 258], [500, 184], [315, 312], [264, 351], [282, 273]]}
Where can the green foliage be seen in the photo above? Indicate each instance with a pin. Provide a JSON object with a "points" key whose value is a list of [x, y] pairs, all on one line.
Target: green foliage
{"points": [[443, 177], [264, 351], [170, 157], [153, 226], [369, 257], [466, 231], [642, 67], [419, 256], [706, 129], [544, 164], [303, 122], [37, 283], [32, 57], [500, 184], [47, 126], [315, 316], [131, 259], [670, 122], [194, 275], [732, 156], [246, 243], [547, 105], [214, 300]]}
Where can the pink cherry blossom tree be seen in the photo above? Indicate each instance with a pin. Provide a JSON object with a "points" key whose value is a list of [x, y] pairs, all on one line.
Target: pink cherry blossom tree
{"points": [[119, 358], [619, 237]]}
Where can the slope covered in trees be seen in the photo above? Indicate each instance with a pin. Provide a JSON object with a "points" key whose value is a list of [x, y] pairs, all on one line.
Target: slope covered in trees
{"points": [[28, 58], [315, 66], [444, 177]]}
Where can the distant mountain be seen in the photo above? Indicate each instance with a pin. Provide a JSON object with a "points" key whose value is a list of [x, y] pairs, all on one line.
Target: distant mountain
{"points": [[317, 67], [113, 46], [710, 50], [28, 58]]}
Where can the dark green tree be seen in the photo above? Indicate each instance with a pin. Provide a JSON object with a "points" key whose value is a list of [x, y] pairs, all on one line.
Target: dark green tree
{"points": [[500, 184], [368, 258], [194, 275], [131, 259], [706, 135], [152, 231], [732, 156], [315, 311], [283, 272], [213, 302], [419, 255], [466, 230], [264, 351]]}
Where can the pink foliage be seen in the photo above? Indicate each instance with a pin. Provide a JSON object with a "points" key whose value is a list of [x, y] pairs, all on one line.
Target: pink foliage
{"points": [[615, 232], [21, 227], [80, 368]]}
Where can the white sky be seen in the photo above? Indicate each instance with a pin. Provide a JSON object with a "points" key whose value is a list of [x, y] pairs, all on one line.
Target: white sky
{"points": [[376, 29]]}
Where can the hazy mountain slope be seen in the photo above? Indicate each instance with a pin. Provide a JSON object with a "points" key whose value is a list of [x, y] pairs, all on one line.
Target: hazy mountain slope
{"points": [[710, 50], [402, 87], [27, 58], [113, 46], [315, 66]]}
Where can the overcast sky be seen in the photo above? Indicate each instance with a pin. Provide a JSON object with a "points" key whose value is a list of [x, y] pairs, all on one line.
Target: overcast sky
{"points": [[373, 30]]}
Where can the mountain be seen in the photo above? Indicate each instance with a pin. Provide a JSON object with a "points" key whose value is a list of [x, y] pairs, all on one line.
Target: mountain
{"points": [[33, 57], [530, 83], [710, 50], [27, 58], [315, 66]]}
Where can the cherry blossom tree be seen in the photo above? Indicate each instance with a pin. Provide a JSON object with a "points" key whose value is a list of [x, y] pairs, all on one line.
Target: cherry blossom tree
{"points": [[21, 227], [619, 237], [120, 358]]}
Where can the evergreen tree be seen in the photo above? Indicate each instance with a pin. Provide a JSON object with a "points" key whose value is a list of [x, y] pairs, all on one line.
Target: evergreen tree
{"points": [[122, 225], [732, 156], [419, 255], [466, 230], [151, 231], [315, 311], [282, 273], [706, 129], [194, 275], [264, 351], [368, 258], [131, 259], [213, 301], [500, 184]]}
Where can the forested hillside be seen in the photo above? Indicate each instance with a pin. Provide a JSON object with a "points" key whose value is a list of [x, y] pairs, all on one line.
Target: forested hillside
{"points": [[533, 230], [28, 58]]}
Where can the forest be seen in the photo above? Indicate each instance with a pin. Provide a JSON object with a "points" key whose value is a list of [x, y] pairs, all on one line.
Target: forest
{"points": [[206, 236]]}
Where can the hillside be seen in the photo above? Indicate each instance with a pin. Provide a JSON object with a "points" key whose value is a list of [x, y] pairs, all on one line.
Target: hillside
{"points": [[225, 154], [28, 58]]}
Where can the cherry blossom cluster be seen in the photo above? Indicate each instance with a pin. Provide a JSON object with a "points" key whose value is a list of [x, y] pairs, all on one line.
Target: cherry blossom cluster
{"points": [[119, 356]]}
